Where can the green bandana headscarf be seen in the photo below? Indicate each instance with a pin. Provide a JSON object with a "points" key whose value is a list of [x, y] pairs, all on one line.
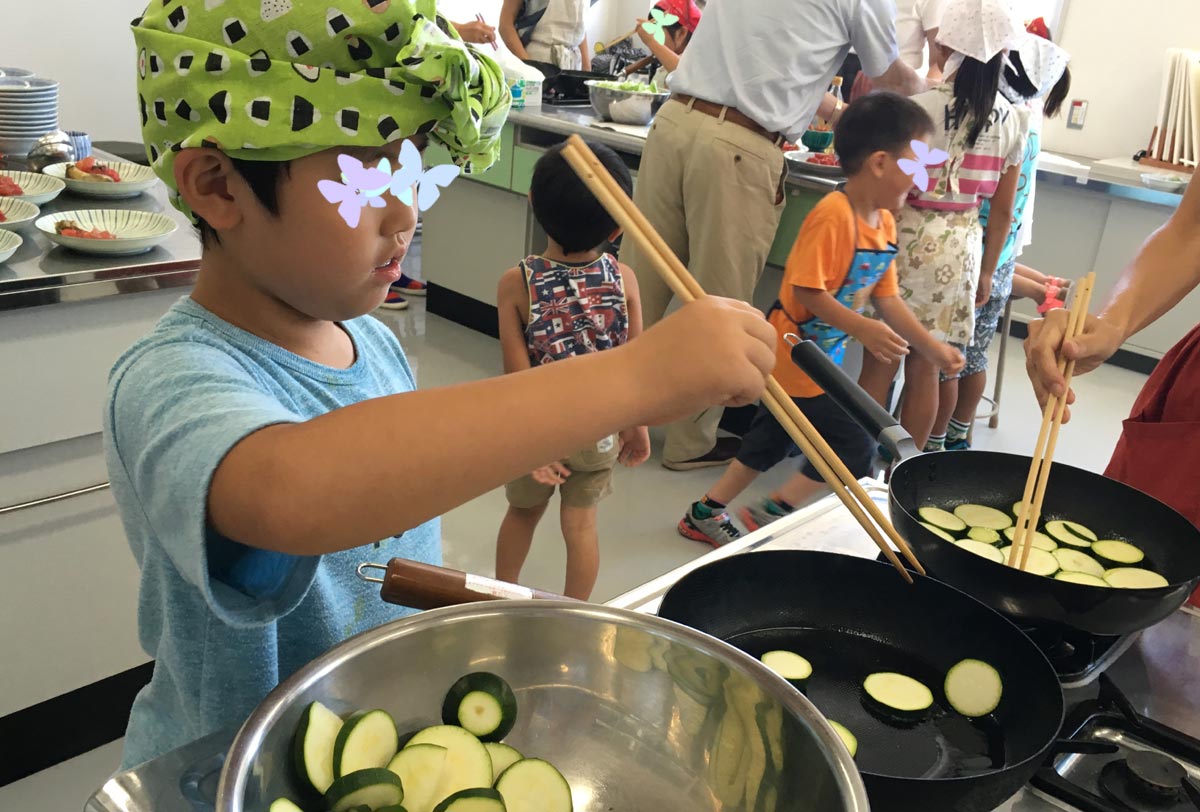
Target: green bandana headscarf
{"points": [[275, 80]]}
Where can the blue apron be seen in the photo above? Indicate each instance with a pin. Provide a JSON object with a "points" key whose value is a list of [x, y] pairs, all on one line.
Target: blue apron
{"points": [[866, 268]]}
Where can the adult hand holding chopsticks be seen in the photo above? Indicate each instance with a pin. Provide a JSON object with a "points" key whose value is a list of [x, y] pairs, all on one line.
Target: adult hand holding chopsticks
{"points": [[477, 31]]}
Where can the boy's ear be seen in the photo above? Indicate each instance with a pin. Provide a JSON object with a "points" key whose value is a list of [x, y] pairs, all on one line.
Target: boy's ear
{"points": [[210, 186], [877, 162], [616, 233]]}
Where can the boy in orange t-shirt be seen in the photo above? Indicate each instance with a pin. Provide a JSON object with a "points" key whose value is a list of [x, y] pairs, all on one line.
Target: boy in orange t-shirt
{"points": [[842, 261]]}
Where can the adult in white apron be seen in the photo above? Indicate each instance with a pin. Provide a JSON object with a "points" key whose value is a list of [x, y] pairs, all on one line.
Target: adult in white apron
{"points": [[560, 38]]}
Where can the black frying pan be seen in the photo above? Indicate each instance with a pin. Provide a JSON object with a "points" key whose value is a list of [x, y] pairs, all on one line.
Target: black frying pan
{"points": [[946, 479], [851, 617]]}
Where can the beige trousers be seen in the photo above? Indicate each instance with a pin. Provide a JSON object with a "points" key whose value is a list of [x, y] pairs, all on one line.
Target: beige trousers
{"points": [[714, 191]]}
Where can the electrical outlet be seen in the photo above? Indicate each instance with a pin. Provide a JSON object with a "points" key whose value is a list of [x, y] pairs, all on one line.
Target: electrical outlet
{"points": [[1077, 115]]}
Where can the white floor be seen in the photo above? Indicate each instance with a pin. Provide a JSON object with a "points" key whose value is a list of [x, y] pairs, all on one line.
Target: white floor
{"points": [[637, 524]]}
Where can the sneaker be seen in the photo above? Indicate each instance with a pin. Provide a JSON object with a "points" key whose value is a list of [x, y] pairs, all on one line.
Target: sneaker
{"points": [[716, 530], [409, 286], [722, 454], [394, 301], [756, 517], [958, 445]]}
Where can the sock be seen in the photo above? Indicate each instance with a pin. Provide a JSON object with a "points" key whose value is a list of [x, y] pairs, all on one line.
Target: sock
{"points": [[777, 507], [956, 431], [936, 442], [705, 508]]}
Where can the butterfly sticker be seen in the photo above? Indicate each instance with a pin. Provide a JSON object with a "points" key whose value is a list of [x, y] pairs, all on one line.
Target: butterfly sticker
{"points": [[926, 158], [360, 187], [656, 26], [428, 183]]}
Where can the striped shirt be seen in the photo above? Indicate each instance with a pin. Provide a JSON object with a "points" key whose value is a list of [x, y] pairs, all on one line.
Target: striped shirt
{"points": [[972, 173]]}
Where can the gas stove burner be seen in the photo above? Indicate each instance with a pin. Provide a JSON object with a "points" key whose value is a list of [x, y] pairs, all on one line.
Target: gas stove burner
{"points": [[1144, 780]]}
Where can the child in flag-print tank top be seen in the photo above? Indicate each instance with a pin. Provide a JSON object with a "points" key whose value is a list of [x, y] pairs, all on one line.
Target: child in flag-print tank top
{"points": [[572, 299]]}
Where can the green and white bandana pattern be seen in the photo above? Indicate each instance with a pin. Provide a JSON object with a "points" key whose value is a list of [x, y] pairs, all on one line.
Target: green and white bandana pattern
{"points": [[276, 80]]}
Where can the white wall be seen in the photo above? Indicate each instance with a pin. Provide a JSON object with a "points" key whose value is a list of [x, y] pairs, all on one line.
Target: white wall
{"points": [[91, 52], [1117, 66]]}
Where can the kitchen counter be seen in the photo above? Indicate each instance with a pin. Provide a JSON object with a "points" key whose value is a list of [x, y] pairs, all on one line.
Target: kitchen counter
{"points": [[42, 273]]}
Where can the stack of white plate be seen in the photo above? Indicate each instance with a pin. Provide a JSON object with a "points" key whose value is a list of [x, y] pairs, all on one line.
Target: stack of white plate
{"points": [[28, 109]]}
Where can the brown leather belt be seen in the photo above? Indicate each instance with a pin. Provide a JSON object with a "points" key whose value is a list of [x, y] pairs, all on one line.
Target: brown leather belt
{"points": [[730, 114]]}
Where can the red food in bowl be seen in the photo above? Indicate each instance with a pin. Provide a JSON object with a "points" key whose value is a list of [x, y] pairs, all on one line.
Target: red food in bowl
{"points": [[9, 187]]}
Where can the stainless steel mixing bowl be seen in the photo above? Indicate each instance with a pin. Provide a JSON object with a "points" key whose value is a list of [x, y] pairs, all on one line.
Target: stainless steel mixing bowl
{"points": [[640, 714]]}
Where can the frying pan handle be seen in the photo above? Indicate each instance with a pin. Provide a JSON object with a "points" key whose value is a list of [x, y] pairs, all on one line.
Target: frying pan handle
{"points": [[861, 407], [424, 586], [1084, 748]]}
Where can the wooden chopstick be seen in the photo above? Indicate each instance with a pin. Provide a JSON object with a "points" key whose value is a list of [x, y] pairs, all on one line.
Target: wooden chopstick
{"points": [[636, 227], [479, 17], [1035, 512], [1030, 512]]}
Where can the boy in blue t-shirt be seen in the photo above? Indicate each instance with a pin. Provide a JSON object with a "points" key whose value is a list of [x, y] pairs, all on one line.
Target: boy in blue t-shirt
{"points": [[251, 437]]}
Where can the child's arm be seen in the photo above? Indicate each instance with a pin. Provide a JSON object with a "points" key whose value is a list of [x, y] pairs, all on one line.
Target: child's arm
{"points": [[508, 28], [635, 441], [585, 54], [895, 312], [330, 483], [512, 302], [999, 223], [875, 336]]}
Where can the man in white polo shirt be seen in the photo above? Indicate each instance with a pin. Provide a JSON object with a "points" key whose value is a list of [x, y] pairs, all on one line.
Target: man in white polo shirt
{"points": [[712, 173]]}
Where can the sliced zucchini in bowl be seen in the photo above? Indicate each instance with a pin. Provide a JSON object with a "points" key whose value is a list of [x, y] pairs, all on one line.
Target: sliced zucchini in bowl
{"points": [[284, 805], [973, 688], [367, 739], [1081, 578], [983, 516], [1118, 552], [420, 768], [789, 665], [987, 551], [483, 704], [479, 799], [937, 531], [1040, 540], [502, 756], [898, 693], [1070, 533], [1134, 578], [942, 518], [533, 785], [374, 787], [312, 747], [986, 535], [468, 764], [1040, 562], [1073, 560]]}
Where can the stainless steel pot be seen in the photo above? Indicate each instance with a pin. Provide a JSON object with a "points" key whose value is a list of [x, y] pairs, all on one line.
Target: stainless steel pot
{"points": [[639, 714]]}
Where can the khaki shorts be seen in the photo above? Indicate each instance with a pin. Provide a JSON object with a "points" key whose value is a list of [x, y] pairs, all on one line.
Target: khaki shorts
{"points": [[589, 482]]}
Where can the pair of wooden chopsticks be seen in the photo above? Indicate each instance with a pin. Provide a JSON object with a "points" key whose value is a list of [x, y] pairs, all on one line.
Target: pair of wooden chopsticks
{"points": [[479, 17], [684, 285], [1030, 511]]}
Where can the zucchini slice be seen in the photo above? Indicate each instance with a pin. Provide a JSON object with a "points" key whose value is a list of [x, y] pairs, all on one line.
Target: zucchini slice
{"points": [[789, 665], [942, 518], [284, 805], [373, 787], [983, 550], [848, 738], [1016, 509], [1075, 561], [1118, 552], [533, 785], [973, 688], [468, 764], [367, 739], [312, 747], [1071, 533], [1040, 540], [983, 516], [1040, 562], [898, 693], [420, 769], [481, 799], [1134, 578], [502, 756], [937, 531], [985, 535], [483, 704], [1081, 578]]}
